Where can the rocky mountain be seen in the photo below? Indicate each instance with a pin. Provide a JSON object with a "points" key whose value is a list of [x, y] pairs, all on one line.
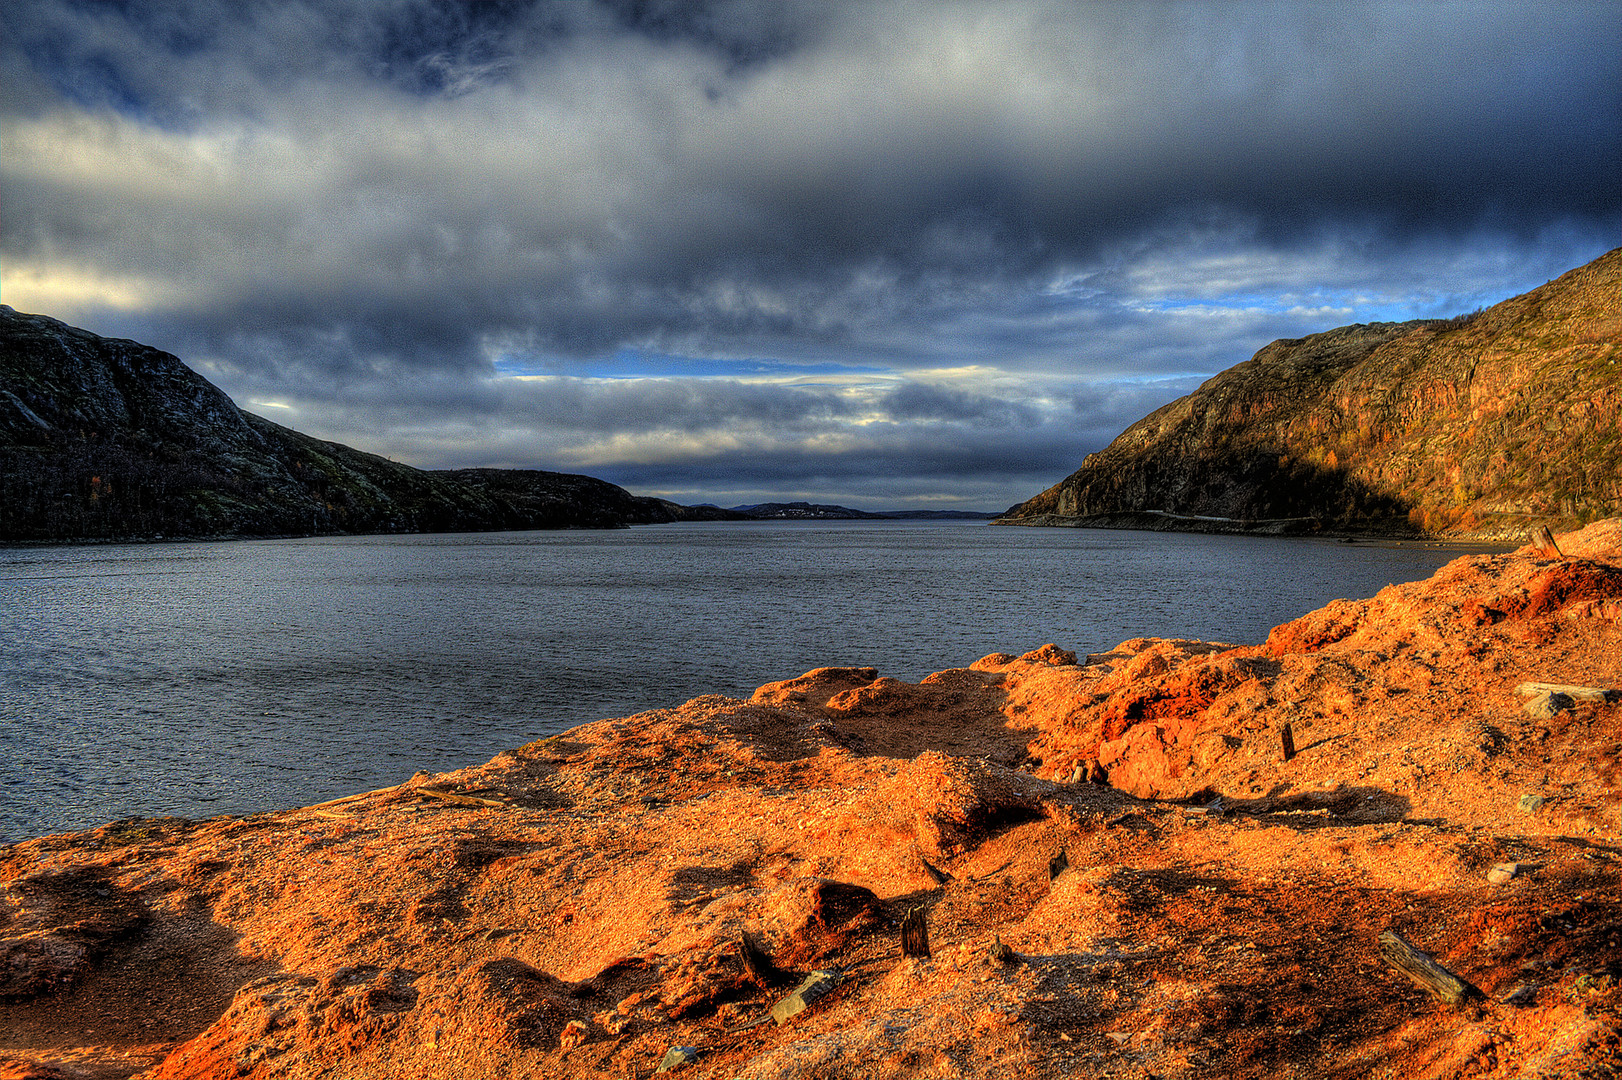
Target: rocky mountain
{"points": [[1483, 426], [105, 438]]}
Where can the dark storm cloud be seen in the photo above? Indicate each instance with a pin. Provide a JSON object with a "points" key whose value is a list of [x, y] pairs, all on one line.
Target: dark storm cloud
{"points": [[917, 401], [363, 209]]}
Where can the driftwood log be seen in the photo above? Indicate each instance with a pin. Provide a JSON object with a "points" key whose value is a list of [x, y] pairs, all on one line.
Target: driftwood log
{"points": [[456, 798], [1431, 977]]}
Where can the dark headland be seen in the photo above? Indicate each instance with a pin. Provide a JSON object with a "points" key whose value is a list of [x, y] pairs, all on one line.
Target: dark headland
{"points": [[109, 439]]}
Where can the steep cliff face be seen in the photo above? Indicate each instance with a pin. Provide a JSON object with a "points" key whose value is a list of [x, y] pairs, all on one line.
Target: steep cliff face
{"points": [[110, 439], [1482, 426]]}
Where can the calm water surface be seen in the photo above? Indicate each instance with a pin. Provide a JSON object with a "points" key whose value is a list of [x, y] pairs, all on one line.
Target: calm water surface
{"points": [[199, 679]]}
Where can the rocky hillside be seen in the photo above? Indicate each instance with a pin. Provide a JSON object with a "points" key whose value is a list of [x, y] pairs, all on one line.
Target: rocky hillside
{"points": [[1482, 426], [1172, 859], [110, 439]]}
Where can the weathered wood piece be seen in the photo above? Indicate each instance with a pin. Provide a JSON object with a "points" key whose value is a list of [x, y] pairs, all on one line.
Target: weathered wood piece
{"points": [[353, 798], [1431, 977], [915, 934], [1544, 539], [1578, 693], [817, 985], [1287, 736], [459, 800]]}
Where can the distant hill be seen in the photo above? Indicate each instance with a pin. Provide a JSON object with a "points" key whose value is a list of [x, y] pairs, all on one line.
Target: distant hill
{"points": [[937, 515], [1483, 426], [799, 511], [104, 438], [796, 511]]}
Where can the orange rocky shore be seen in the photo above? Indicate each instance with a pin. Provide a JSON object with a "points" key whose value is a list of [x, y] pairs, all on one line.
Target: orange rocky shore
{"points": [[1118, 872]]}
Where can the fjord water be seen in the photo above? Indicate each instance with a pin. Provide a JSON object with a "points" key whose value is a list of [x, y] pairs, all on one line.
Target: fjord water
{"points": [[206, 678]]}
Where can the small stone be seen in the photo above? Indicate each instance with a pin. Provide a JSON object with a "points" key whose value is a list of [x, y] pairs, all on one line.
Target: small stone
{"points": [[575, 1033], [1549, 704], [1530, 804], [818, 984], [1503, 872], [1524, 994], [678, 1056]]}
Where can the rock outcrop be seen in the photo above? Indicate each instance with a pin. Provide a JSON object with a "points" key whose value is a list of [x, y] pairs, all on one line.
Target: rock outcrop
{"points": [[1118, 872], [105, 438], [1484, 426]]}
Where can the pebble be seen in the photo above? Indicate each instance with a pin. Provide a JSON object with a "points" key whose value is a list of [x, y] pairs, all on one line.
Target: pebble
{"points": [[1524, 994], [1530, 804], [1503, 872], [678, 1056], [816, 985]]}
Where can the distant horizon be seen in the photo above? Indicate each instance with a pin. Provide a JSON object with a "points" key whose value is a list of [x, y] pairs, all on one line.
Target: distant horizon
{"points": [[744, 498], [873, 255]]}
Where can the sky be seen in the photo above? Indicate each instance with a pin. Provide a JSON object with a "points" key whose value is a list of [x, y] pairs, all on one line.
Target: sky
{"points": [[888, 255]]}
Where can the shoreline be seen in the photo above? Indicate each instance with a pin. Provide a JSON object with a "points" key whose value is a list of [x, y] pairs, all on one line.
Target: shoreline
{"points": [[368, 669], [580, 905], [1282, 528]]}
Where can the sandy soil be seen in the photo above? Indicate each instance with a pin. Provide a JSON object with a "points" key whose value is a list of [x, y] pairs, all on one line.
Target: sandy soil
{"points": [[1118, 871]]}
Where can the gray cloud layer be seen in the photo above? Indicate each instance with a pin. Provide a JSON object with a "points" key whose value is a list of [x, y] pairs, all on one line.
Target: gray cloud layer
{"points": [[899, 250]]}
